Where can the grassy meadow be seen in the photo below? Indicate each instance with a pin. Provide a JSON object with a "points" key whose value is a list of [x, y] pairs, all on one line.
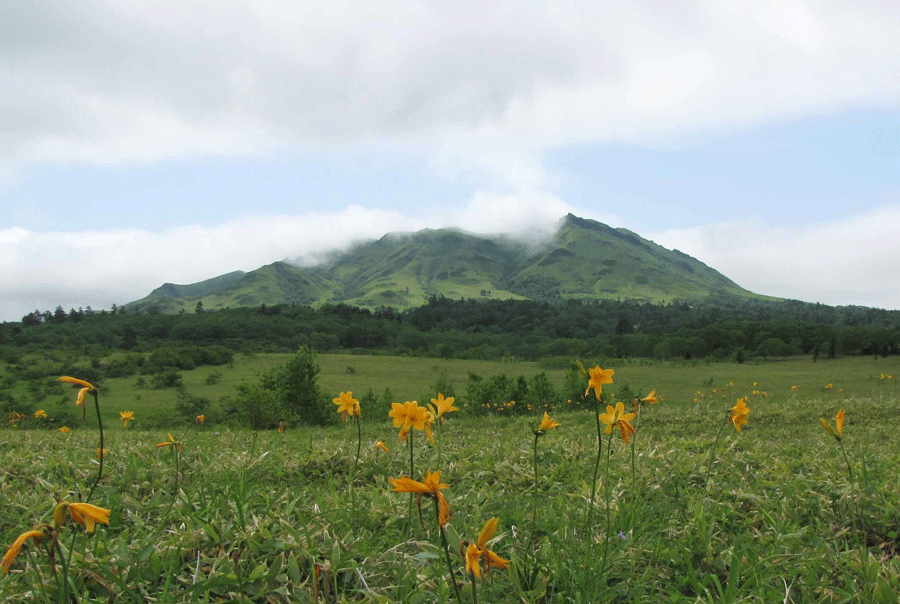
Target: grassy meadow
{"points": [[773, 515]]}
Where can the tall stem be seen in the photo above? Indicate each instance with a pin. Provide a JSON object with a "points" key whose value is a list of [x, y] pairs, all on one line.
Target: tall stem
{"points": [[847, 461], [411, 467], [633, 470], [358, 444], [437, 515], [99, 423], [596, 465], [607, 487], [534, 491], [355, 464], [712, 451]]}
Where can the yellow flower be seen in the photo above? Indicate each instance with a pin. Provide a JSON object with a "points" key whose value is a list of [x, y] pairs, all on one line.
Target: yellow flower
{"points": [[651, 398], [598, 378], [410, 415], [16, 547], [82, 513], [171, 442], [347, 405], [443, 405], [547, 423], [104, 452], [382, 446], [431, 487], [739, 413], [795, 388], [829, 386], [838, 431], [281, 427], [64, 429], [126, 416], [82, 383], [478, 551], [201, 419], [617, 417], [40, 414]]}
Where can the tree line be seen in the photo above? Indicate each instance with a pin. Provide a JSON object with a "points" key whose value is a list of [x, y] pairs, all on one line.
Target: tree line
{"points": [[725, 329]]}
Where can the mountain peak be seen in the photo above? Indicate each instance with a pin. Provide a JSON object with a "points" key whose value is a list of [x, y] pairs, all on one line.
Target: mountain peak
{"points": [[586, 259]]}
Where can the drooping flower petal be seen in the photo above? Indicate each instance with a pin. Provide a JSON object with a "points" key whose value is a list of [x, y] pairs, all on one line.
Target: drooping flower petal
{"points": [[16, 547]]}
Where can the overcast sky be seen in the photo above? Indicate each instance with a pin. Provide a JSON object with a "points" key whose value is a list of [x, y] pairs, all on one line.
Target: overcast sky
{"points": [[144, 142]]}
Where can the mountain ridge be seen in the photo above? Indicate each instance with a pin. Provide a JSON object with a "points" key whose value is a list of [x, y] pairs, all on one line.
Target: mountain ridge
{"points": [[582, 259]]}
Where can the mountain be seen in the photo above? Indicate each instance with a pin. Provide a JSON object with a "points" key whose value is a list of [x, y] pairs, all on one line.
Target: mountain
{"points": [[584, 259]]}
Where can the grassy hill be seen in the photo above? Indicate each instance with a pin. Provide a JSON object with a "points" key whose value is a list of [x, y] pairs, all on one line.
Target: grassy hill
{"points": [[585, 259]]}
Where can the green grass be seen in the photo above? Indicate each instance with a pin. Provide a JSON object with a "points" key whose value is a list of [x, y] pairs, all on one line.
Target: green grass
{"points": [[411, 378], [250, 515]]}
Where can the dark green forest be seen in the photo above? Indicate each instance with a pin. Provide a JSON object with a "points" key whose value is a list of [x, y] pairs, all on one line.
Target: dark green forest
{"points": [[469, 329]]}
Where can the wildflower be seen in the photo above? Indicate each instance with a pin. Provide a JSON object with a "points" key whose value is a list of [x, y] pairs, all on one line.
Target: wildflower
{"points": [[171, 442], [547, 423], [410, 415], [382, 446], [126, 416], [101, 453], [76, 381], [16, 547], [431, 487], [443, 405], [201, 419], [795, 388], [86, 387], [347, 405], [739, 413], [617, 417], [598, 378], [64, 429], [478, 551], [651, 398], [40, 414], [829, 386], [838, 430], [82, 513], [14, 417], [281, 427]]}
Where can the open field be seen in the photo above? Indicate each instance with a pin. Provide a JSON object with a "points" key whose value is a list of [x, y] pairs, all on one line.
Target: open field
{"points": [[412, 378], [249, 516]]}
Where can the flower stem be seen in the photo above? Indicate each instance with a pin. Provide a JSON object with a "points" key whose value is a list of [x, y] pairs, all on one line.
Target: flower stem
{"points": [[437, 516], [99, 423], [596, 466], [440, 439], [474, 589], [847, 461], [411, 467], [633, 470], [712, 451], [534, 491], [607, 487], [355, 464]]}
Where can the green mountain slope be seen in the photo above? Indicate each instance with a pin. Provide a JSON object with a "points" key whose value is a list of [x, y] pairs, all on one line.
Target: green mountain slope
{"points": [[585, 259], [592, 260]]}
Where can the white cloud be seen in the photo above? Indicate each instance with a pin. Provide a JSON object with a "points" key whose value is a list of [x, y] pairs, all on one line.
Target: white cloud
{"points": [[851, 261], [116, 82]]}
